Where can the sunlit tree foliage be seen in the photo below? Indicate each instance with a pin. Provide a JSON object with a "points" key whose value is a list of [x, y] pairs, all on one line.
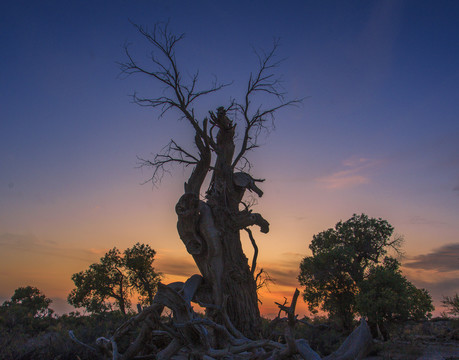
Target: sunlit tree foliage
{"points": [[340, 261], [138, 261], [386, 296], [27, 307], [114, 279]]}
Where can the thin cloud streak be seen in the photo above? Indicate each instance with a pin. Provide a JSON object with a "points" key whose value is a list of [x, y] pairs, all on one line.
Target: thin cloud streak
{"points": [[31, 244], [285, 272], [343, 179], [284, 277], [175, 265], [353, 174], [439, 288], [443, 259], [419, 220]]}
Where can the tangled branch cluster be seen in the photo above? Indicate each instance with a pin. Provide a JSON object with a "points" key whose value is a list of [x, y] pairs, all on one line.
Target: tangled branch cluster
{"points": [[187, 335]]}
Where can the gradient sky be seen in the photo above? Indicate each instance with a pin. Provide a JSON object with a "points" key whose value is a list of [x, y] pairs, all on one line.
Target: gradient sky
{"points": [[378, 132]]}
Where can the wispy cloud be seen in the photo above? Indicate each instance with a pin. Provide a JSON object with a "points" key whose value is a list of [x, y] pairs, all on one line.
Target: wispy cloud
{"points": [[343, 179], [284, 277], [30, 243], [438, 284], [354, 172], [285, 272], [419, 220], [170, 264], [439, 288], [443, 259]]}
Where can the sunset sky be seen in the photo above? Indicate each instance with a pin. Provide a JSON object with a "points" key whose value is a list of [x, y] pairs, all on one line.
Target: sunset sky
{"points": [[378, 132]]}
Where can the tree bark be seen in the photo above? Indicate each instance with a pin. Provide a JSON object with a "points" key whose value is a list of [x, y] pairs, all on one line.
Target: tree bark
{"points": [[210, 228], [356, 346], [210, 231]]}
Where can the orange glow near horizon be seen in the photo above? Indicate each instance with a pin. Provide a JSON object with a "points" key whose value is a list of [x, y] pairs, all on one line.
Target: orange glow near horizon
{"points": [[50, 268], [370, 136], [48, 256]]}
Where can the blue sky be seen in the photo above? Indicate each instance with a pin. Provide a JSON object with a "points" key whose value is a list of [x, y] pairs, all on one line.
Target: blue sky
{"points": [[377, 132]]}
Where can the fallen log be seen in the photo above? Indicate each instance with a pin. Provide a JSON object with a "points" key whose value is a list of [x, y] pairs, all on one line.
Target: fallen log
{"points": [[187, 334], [356, 346]]}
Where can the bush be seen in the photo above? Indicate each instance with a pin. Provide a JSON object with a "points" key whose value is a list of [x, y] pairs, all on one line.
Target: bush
{"points": [[52, 341], [386, 296]]}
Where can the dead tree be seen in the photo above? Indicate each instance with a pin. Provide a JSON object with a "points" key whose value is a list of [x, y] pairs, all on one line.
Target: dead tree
{"points": [[210, 225]]}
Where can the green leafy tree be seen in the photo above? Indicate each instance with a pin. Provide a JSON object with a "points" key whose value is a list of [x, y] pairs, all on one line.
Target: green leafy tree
{"points": [[452, 304], [114, 279], [142, 276], [328, 285], [100, 283], [32, 300], [386, 296], [26, 309], [341, 258]]}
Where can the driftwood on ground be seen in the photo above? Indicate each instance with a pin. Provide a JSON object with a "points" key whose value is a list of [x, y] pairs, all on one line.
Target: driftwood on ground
{"points": [[189, 335]]}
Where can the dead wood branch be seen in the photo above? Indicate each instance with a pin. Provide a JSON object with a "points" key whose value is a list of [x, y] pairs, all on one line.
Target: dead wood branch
{"points": [[356, 346], [290, 328], [190, 335], [74, 338], [245, 219], [255, 251]]}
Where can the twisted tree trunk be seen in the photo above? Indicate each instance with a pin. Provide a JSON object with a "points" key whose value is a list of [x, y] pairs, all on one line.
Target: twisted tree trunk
{"points": [[210, 228], [210, 231]]}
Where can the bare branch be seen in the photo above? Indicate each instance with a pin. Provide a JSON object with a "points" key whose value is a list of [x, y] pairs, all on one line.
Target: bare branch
{"points": [[263, 279], [263, 81], [165, 70], [171, 153]]}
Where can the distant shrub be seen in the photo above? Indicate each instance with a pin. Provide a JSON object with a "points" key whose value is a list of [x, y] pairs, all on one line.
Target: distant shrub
{"points": [[452, 304], [52, 341]]}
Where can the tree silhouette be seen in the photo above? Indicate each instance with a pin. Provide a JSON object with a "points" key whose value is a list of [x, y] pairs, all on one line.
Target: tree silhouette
{"points": [[210, 225], [114, 277], [31, 300], [27, 310], [386, 296], [138, 262], [452, 304], [341, 257]]}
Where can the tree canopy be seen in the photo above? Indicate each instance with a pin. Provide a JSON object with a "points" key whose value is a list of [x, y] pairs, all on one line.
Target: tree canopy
{"points": [[30, 300], [341, 259], [386, 296], [115, 278], [27, 310], [138, 262]]}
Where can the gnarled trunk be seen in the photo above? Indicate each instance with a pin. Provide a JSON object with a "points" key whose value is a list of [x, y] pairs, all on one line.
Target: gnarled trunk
{"points": [[210, 231], [210, 227]]}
